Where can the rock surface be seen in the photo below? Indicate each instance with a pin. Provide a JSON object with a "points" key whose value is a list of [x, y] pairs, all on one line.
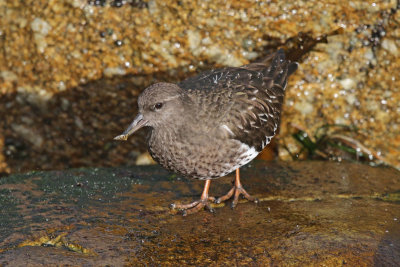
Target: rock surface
{"points": [[310, 213], [52, 48]]}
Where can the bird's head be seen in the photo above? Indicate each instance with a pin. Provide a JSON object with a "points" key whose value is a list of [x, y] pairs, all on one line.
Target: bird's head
{"points": [[159, 104]]}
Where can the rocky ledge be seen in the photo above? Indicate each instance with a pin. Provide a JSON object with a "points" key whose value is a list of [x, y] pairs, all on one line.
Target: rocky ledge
{"points": [[310, 213]]}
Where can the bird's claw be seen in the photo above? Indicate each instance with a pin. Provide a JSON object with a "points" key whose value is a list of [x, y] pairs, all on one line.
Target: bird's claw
{"points": [[194, 207], [235, 192]]}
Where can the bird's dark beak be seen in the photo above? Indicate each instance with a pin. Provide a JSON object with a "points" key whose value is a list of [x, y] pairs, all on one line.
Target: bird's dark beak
{"points": [[136, 124]]}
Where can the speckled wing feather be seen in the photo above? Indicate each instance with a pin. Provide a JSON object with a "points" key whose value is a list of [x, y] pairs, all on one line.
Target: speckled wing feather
{"points": [[249, 98], [255, 116]]}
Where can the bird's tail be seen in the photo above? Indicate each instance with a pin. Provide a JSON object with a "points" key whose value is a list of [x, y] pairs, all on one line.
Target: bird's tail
{"points": [[279, 68], [275, 67]]}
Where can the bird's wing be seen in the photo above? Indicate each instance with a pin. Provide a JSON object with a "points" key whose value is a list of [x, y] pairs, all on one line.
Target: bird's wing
{"points": [[243, 103], [257, 99]]}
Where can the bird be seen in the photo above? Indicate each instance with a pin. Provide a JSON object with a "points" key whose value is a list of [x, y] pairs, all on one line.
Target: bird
{"points": [[210, 125]]}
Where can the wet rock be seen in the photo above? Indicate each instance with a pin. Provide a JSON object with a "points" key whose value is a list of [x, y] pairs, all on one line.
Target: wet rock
{"points": [[110, 72], [8, 76], [28, 134], [310, 213]]}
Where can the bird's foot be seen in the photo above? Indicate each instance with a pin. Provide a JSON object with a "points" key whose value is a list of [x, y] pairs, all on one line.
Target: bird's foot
{"points": [[235, 192], [195, 206]]}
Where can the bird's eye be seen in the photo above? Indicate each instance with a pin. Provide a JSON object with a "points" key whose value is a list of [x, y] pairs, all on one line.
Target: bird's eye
{"points": [[158, 106]]}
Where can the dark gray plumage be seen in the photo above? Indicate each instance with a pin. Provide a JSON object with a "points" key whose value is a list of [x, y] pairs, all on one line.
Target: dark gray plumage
{"points": [[210, 125]]}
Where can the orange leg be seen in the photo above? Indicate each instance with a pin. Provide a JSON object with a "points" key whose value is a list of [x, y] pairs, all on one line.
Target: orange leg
{"points": [[203, 202], [235, 191]]}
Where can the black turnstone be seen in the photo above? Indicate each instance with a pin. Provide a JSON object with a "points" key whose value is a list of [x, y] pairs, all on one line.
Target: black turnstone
{"points": [[212, 124]]}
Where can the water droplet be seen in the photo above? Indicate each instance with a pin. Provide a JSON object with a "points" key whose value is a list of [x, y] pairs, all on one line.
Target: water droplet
{"points": [[61, 86], [117, 3], [118, 42]]}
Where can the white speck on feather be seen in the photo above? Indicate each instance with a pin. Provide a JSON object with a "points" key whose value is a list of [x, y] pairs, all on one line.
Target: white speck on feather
{"points": [[227, 129]]}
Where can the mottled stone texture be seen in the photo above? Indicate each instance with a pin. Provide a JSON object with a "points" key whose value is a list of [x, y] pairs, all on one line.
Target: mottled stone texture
{"points": [[310, 214], [51, 48]]}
